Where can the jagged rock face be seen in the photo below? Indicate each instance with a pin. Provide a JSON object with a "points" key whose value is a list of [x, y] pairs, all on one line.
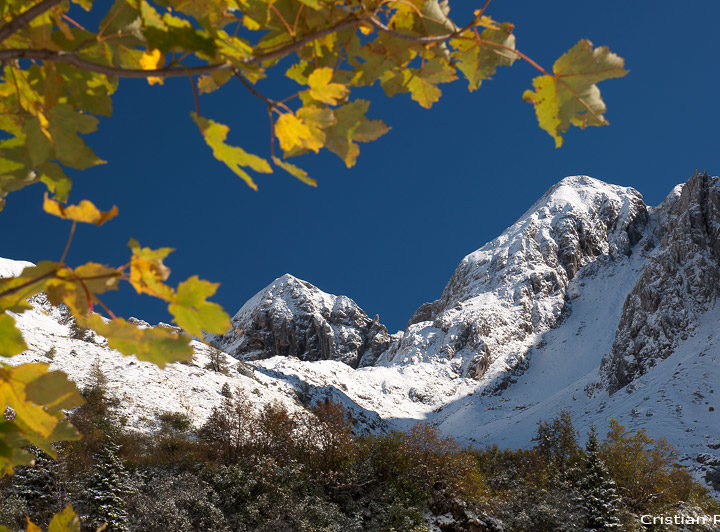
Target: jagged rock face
{"points": [[294, 318], [515, 286], [679, 283]]}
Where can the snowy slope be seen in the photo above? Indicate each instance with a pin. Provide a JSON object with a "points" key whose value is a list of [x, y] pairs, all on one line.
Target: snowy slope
{"points": [[549, 344], [143, 389], [12, 268]]}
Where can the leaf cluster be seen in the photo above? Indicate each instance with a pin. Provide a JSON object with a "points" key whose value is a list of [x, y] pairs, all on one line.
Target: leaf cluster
{"points": [[38, 396], [59, 76]]}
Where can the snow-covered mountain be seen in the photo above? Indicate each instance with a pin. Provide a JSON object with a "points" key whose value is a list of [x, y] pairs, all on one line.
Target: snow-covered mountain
{"points": [[513, 289], [291, 317], [592, 302]]}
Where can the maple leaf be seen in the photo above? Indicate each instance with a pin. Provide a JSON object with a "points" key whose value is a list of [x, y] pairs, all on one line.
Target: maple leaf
{"points": [[570, 96], [193, 312]]}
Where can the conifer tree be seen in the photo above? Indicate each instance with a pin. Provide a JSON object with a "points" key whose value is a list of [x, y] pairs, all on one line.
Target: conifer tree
{"points": [[599, 501], [226, 391], [36, 486], [106, 490]]}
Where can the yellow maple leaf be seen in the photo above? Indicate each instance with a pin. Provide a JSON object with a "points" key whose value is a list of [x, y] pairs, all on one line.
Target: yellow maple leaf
{"points": [[84, 211], [152, 60], [294, 133], [147, 271], [322, 90]]}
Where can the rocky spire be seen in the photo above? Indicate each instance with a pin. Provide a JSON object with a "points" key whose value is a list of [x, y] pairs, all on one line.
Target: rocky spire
{"points": [[515, 286]]}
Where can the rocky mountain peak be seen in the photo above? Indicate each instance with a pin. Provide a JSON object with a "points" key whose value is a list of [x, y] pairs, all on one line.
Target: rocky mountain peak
{"points": [[292, 317], [514, 287]]}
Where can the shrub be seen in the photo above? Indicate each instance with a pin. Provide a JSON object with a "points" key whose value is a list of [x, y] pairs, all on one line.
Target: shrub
{"points": [[174, 422]]}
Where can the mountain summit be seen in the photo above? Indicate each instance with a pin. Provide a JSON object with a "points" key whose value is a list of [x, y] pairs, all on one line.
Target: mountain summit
{"points": [[514, 288], [291, 317]]}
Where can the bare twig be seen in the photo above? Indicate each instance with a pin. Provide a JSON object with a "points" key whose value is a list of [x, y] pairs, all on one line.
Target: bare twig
{"points": [[429, 39], [105, 307], [272, 133], [69, 241], [284, 22], [87, 293], [195, 94], [271, 103], [24, 18], [297, 18], [517, 53], [74, 23]]}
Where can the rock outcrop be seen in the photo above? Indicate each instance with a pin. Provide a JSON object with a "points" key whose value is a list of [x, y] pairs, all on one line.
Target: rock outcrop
{"points": [[291, 317], [680, 282]]}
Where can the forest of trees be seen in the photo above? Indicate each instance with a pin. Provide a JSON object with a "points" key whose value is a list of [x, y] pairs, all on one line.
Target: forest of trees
{"points": [[246, 469]]}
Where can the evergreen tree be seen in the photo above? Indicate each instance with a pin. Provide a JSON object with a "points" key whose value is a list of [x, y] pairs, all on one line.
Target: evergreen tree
{"points": [[599, 501], [107, 488], [217, 361], [36, 485], [226, 391]]}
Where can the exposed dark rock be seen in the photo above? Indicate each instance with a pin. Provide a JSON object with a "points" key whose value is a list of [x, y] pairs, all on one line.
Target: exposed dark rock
{"points": [[426, 312], [291, 317], [680, 281]]}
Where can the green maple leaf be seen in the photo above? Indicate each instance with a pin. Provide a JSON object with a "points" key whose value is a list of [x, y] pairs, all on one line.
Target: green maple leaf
{"points": [[193, 312], [571, 96]]}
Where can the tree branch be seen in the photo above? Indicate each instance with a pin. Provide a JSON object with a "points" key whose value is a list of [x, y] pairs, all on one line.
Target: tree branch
{"points": [[24, 18], [295, 45], [15, 289], [73, 59], [195, 95], [425, 40], [69, 241], [254, 92]]}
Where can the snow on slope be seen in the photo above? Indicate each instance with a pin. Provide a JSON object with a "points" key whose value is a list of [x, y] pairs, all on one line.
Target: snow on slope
{"points": [[12, 268], [587, 245], [498, 304], [677, 400], [680, 283], [143, 389]]}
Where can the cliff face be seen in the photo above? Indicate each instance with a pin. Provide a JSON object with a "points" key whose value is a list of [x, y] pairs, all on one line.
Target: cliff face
{"points": [[514, 288], [680, 282], [291, 317]]}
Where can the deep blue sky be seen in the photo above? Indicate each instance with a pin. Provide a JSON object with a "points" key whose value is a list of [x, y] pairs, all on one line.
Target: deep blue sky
{"points": [[390, 231]]}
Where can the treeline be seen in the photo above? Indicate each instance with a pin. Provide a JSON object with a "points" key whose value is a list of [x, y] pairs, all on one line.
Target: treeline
{"points": [[276, 470]]}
